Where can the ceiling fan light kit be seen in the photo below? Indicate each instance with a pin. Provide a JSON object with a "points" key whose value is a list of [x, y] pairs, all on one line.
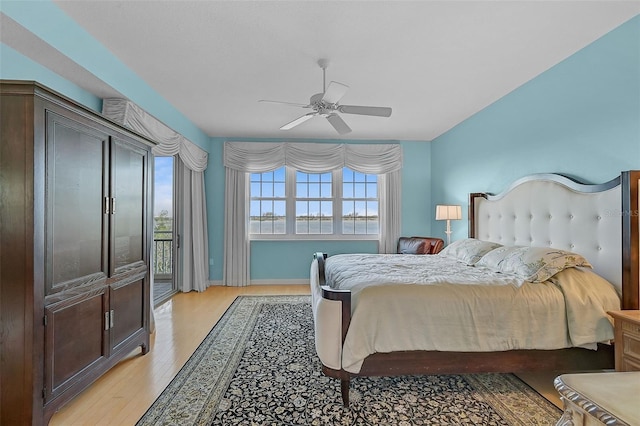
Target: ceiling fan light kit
{"points": [[326, 104]]}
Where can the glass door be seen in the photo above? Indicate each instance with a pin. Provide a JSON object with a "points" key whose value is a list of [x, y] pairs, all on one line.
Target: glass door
{"points": [[164, 232]]}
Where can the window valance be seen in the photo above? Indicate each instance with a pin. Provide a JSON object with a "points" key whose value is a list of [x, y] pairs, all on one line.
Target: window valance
{"points": [[258, 157], [169, 142]]}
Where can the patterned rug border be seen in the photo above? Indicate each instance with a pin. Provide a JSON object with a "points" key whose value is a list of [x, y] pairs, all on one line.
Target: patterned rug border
{"points": [[224, 348]]}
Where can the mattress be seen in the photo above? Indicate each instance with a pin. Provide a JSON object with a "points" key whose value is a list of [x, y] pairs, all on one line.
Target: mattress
{"points": [[404, 302]]}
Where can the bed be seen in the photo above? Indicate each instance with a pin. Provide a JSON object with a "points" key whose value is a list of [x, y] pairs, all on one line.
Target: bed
{"points": [[383, 319]]}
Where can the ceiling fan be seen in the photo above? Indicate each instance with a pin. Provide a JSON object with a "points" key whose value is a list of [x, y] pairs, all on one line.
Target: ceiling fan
{"points": [[326, 105]]}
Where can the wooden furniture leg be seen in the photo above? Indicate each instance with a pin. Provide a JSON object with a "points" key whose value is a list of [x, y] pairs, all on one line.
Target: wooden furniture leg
{"points": [[344, 390]]}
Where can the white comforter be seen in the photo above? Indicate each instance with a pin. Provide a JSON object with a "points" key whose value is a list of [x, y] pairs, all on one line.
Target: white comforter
{"points": [[403, 302]]}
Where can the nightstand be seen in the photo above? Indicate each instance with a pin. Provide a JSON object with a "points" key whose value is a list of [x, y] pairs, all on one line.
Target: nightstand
{"points": [[627, 339], [592, 399]]}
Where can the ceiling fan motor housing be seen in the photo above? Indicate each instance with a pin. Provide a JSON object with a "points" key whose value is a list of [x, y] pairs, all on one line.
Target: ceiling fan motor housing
{"points": [[321, 107]]}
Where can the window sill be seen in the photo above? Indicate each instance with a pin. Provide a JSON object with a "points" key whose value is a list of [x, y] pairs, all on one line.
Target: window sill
{"points": [[314, 237]]}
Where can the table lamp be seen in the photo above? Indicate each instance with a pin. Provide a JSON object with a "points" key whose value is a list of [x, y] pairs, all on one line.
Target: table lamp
{"points": [[448, 213]]}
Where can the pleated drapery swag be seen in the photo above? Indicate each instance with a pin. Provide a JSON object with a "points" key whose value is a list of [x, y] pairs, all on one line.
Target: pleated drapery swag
{"points": [[242, 158], [193, 272]]}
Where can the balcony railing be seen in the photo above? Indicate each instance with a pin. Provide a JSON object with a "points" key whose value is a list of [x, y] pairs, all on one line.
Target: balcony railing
{"points": [[162, 254]]}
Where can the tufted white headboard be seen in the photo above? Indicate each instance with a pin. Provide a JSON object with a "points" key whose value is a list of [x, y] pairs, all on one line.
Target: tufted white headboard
{"points": [[549, 210]]}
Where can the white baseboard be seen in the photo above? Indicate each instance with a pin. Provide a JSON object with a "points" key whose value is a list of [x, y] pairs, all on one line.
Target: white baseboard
{"points": [[295, 281]]}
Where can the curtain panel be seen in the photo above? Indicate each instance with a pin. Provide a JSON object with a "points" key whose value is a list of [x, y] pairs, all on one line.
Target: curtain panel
{"points": [[236, 235], [242, 158], [193, 271], [391, 215]]}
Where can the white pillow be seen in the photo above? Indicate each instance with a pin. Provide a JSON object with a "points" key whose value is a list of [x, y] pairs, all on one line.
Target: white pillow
{"points": [[495, 257], [468, 250], [534, 264]]}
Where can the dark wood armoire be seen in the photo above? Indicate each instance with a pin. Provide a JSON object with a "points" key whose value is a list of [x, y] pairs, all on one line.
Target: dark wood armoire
{"points": [[75, 239]]}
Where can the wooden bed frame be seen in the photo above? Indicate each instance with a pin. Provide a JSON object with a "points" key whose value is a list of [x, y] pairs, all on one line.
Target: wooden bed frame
{"points": [[563, 360]]}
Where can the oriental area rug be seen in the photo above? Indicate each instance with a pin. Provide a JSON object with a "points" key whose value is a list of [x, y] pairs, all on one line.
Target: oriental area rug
{"points": [[258, 366]]}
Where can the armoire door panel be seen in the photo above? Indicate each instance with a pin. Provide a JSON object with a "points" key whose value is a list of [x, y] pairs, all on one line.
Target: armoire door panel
{"points": [[75, 337], [128, 183], [76, 167], [128, 318]]}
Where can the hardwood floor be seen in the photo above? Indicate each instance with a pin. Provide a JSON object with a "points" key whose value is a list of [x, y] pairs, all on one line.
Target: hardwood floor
{"points": [[122, 396]]}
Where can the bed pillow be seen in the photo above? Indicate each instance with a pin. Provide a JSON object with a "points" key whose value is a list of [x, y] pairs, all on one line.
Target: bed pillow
{"points": [[468, 250], [494, 258], [534, 264]]}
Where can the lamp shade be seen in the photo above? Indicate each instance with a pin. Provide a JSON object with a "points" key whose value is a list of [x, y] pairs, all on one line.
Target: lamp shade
{"points": [[444, 212]]}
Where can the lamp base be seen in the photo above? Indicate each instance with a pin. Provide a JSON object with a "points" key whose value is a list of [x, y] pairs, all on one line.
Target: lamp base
{"points": [[448, 232]]}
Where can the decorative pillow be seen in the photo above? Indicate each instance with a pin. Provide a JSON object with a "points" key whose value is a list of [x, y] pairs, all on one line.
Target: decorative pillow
{"points": [[468, 250], [534, 264]]}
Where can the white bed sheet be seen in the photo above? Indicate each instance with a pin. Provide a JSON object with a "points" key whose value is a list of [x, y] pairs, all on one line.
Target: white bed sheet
{"points": [[402, 302]]}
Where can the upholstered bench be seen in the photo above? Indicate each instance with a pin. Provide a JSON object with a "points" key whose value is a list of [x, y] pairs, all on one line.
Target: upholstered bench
{"points": [[419, 245], [607, 398]]}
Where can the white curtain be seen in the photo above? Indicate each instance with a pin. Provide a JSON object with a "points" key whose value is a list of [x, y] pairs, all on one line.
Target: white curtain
{"points": [[391, 213], [241, 158], [194, 248], [236, 236], [192, 162]]}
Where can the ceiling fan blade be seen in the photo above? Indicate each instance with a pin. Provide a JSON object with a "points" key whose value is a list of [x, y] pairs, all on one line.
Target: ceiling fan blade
{"points": [[338, 123], [365, 110], [285, 103], [298, 121], [335, 91]]}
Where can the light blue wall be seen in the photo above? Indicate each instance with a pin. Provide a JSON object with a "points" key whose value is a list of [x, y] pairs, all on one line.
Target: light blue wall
{"points": [[580, 118], [16, 66], [214, 183], [46, 20], [271, 260], [416, 189]]}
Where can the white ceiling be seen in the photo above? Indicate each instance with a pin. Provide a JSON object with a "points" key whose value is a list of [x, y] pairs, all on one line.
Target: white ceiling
{"points": [[434, 62]]}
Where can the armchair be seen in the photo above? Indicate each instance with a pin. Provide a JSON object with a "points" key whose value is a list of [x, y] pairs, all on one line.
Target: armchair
{"points": [[419, 245]]}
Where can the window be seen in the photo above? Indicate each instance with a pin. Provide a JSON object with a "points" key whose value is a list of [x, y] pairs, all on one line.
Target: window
{"points": [[268, 202], [359, 203], [288, 202], [314, 203]]}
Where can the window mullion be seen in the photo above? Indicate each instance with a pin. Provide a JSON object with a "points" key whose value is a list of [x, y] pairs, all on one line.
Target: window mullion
{"points": [[337, 201], [290, 188]]}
